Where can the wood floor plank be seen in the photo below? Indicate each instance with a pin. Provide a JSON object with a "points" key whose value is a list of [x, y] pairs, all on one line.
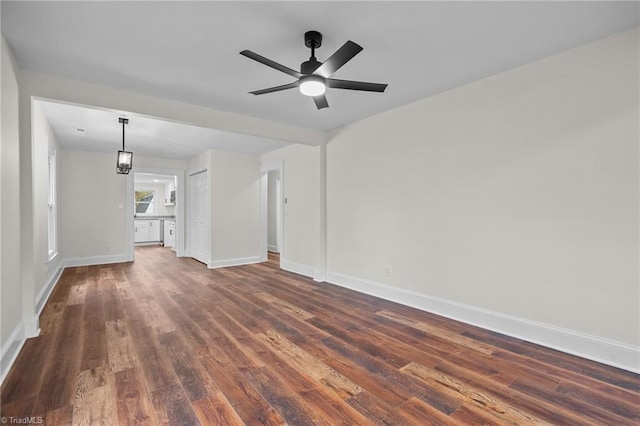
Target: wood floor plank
{"points": [[133, 405], [245, 400], [19, 408], [58, 417], [465, 342], [165, 340], [624, 405], [153, 361], [471, 396], [120, 346], [472, 415], [24, 380], [216, 410], [378, 412], [283, 400], [540, 409], [191, 375], [323, 389], [59, 383], [423, 413], [94, 402], [287, 307], [171, 406], [112, 304], [156, 317], [77, 294], [310, 365]]}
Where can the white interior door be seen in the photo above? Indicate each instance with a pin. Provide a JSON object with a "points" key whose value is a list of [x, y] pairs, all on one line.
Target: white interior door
{"points": [[199, 216]]}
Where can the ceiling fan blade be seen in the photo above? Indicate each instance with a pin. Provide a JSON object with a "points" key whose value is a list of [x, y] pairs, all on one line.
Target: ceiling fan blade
{"points": [[268, 62], [321, 101], [355, 85], [275, 89], [338, 59]]}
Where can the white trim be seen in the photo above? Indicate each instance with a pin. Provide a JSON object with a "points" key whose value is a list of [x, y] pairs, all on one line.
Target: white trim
{"points": [[47, 289], [264, 216], [605, 351], [96, 260], [320, 276], [297, 268], [272, 248], [264, 170], [233, 262], [11, 349]]}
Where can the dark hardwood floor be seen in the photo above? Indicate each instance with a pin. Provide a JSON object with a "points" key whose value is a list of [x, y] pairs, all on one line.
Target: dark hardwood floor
{"points": [[167, 341]]}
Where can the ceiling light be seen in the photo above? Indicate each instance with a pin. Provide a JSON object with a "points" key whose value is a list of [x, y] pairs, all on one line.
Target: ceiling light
{"points": [[124, 161], [312, 85]]}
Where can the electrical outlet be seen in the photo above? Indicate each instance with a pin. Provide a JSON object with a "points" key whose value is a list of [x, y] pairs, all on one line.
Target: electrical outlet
{"points": [[107, 248], [387, 271]]}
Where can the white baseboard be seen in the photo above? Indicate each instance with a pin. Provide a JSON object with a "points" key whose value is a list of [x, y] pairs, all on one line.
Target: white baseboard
{"points": [[298, 268], [11, 349], [273, 248], [233, 262], [96, 260], [45, 292], [605, 351]]}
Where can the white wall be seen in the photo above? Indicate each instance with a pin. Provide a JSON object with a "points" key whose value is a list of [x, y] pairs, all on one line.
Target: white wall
{"points": [[235, 207], [517, 193], [10, 276], [44, 269], [299, 251], [92, 222], [272, 210]]}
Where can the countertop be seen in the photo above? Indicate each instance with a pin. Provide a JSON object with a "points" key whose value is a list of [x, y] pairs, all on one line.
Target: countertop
{"points": [[154, 217]]}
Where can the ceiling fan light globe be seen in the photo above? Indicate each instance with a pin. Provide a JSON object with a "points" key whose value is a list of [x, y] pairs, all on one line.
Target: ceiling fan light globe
{"points": [[312, 86]]}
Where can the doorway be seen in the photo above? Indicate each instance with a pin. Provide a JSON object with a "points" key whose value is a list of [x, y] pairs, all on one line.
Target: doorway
{"points": [[155, 205], [272, 211]]}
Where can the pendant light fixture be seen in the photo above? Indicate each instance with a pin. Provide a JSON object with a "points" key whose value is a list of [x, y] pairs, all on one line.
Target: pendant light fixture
{"points": [[125, 158]]}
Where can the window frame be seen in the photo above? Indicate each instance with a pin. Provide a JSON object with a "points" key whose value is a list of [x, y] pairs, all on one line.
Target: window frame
{"points": [[52, 204], [150, 204]]}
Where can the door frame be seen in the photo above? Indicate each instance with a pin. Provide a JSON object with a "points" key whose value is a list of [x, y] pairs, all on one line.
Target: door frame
{"points": [[264, 210], [188, 252], [180, 208]]}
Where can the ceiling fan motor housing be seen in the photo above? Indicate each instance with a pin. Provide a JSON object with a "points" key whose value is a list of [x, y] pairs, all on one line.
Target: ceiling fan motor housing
{"points": [[309, 66], [312, 39]]}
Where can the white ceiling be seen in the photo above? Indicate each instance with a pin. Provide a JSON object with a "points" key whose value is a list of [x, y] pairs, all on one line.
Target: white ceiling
{"points": [[144, 136], [188, 51], [152, 178]]}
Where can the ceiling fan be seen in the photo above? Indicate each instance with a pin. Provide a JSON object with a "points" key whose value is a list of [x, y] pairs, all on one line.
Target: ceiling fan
{"points": [[314, 76]]}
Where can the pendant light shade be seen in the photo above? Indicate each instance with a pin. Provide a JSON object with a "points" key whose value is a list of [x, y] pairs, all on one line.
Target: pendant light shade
{"points": [[124, 162]]}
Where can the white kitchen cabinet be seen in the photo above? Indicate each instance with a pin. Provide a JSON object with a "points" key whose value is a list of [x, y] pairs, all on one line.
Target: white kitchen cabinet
{"points": [[154, 230], [170, 194], [169, 233], [141, 231], [147, 231]]}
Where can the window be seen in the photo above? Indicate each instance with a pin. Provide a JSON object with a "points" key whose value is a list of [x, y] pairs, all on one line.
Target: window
{"points": [[51, 205], [144, 202]]}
